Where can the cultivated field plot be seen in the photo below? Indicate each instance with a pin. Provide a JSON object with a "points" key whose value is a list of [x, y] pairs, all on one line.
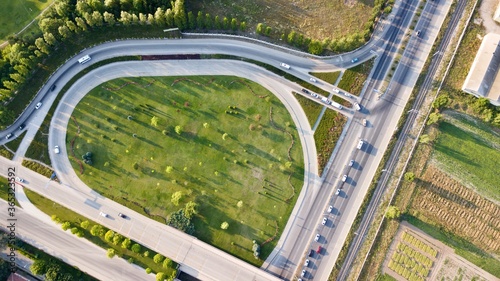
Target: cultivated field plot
{"points": [[15, 15], [413, 258], [317, 19], [224, 143], [457, 208], [454, 269]]}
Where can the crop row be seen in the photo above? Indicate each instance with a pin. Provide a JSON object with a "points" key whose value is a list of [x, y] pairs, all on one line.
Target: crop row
{"points": [[412, 254], [410, 239], [404, 272]]}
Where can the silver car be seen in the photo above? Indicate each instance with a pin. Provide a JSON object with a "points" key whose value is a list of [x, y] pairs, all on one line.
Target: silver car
{"points": [[324, 221], [38, 105], [344, 178], [317, 237]]}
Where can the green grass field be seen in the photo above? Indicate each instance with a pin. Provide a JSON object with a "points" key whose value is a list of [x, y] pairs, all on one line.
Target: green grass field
{"points": [[330, 77], [354, 78], [15, 15], [251, 165], [312, 109], [470, 153], [327, 135]]}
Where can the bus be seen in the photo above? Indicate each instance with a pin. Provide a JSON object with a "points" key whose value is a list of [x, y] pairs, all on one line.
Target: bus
{"points": [[84, 59]]}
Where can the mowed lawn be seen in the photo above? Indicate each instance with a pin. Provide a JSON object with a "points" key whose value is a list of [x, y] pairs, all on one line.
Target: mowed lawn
{"points": [[472, 159], [15, 15], [251, 165]]}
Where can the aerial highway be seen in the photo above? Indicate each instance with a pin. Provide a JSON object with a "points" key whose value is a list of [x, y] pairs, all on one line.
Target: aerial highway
{"points": [[318, 193]]}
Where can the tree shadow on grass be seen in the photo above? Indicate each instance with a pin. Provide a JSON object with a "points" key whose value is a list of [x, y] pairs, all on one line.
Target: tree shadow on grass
{"points": [[257, 151], [453, 197]]}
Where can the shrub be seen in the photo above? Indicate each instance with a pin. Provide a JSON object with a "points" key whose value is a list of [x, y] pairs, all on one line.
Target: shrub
{"points": [[158, 258], [66, 225], [111, 253]]}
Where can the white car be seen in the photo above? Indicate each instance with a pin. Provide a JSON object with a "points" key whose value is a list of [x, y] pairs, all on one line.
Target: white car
{"points": [[351, 163], [330, 208], [344, 178], [103, 214], [337, 192], [313, 79], [324, 221], [314, 95], [364, 122], [303, 273], [336, 90], [317, 237], [285, 65], [38, 105], [18, 179], [347, 94], [56, 149], [306, 263]]}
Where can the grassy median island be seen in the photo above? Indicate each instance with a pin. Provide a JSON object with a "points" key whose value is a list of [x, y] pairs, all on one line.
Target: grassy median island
{"points": [[225, 143]]}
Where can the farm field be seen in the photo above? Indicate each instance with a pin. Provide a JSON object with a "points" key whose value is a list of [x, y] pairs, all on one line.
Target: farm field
{"points": [[317, 19], [470, 152], [15, 15], [224, 143]]}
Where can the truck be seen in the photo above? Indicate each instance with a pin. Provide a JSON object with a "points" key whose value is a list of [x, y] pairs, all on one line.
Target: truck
{"points": [[357, 106], [336, 105]]}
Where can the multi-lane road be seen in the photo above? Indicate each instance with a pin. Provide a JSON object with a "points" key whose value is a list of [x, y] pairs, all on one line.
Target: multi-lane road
{"points": [[316, 196]]}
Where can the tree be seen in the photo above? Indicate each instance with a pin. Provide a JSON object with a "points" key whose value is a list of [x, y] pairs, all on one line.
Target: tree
{"points": [[424, 139], [234, 24], [440, 102], [146, 254], [53, 272], [243, 26], [136, 248], [49, 38], [178, 129], [208, 21], [154, 121], [409, 176], [179, 14], [217, 22], [180, 221], [169, 169], [206, 125], [72, 26], [159, 17], [169, 18], [160, 276], [117, 238], [97, 18], [260, 28], [66, 225], [176, 197], [433, 118], [292, 37], [200, 21], [126, 243], [225, 23], [143, 18], [224, 225], [39, 267], [84, 224], [239, 204], [64, 31], [158, 258], [125, 18], [315, 47], [268, 30], [167, 263], [41, 45], [138, 5], [81, 23], [110, 253], [224, 136], [109, 235], [192, 21], [96, 230], [393, 212], [191, 209]]}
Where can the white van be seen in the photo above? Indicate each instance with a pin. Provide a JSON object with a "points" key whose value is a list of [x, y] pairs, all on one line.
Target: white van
{"points": [[84, 59], [360, 144], [337, 105], [357, 106], [325, 100], [336, 90]]}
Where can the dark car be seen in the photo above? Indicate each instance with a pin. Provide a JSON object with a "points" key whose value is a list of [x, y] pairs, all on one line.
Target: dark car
{"points": [[311, 253], [305, 91], [22, 126], [122, 216], [53, 87], [9, 136]]}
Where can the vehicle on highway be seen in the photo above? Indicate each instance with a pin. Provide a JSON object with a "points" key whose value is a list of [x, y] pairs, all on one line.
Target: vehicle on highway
{"points": [[84, 59], [306, 263], [357, 106], [306, 91], [38, 105], [324, 221], [21, 126], [360, 144], [336, 90], [313, 80], [18, 179], [336, 105], [8, 136], [285, 65], [364, 122], [325, 100], [337, 192], [418, 33], [351, 163], [102, 214], [330, 208], [303, 273], [56, 149], [53, 87], [347, 94], [317, 237], [314, 95], [354, 60], [122, 216], [344, 178]]}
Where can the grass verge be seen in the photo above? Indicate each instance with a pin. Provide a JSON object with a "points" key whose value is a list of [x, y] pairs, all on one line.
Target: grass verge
{"points": [[65, 215], [330, 77], [354, 78], [37, 167], [14, 144], [5, 152], [312, 109], [326, 136], [4, 190]]}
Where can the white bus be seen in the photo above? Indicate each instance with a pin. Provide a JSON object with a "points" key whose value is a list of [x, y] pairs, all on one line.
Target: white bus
{"points": [[84, 59]]}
